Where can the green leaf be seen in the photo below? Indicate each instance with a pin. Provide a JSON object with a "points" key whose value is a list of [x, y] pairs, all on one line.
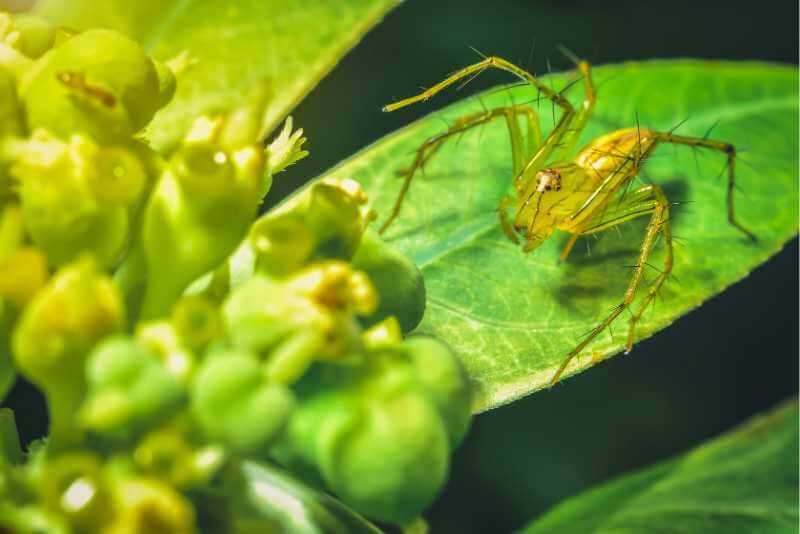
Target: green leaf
{"points": [[7, 373], [233, 45], [10, 450], [275, 502], [513, 317], [742, 482]]}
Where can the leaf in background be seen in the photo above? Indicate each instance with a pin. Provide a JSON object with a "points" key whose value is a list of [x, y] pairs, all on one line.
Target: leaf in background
{"points": [[7, 373], [272, 501], [513, 317], [10, 450], [234, 44], [745, 481]]}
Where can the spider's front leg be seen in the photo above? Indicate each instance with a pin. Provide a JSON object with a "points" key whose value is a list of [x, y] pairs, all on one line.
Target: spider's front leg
{"points": [[649, 199], [527, 159], [521, 145]]}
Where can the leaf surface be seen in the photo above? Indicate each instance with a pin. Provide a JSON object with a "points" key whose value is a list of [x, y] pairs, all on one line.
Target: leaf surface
{"points": [[272, 501], [232, 46], [512, 317], [745, 481]]}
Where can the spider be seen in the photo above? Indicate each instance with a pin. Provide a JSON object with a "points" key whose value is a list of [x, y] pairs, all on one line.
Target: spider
{"points": [[581, 195]]}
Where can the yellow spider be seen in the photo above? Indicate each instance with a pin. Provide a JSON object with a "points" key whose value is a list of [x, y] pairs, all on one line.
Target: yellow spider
{"points": [[581, 195]]}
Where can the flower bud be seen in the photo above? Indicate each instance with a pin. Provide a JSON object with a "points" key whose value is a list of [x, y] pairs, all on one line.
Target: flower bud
{"points": [[75, 196], [166, 83], [167, 345], [283, 243], [56, 332], [22, 274], [148, 505], [235, 405], [294, 321], [443, 376], [14, 62], [376, 440], [198, 213], [332, 214], [74, 486], [30, 519], [10, 112], [128, 389], [196, 321], [393, 464], [399, 282], [167, 454], [385, 333], [98, 82], [31, 35]]}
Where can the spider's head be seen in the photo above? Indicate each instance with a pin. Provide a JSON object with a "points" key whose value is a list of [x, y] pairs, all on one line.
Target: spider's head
{"points": [[535, 217], [548, 180]]}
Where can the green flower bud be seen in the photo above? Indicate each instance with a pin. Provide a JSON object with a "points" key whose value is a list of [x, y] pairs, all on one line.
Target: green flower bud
{"points": [[261, 315], [296, 320], [166, 83], [332, 213], [198, 213], [165, 342], [283, 243], [56, 332], [167, 454], [196, 321], [99, 82], [75, 196], [10, 111], [385, 333], [31, 35], [31, 520], [235, 404], [445, 379], [23, 269], [399, 282], [74, 486], [14, 62], [128, 388], [375, 438], [22, 275], [394, 463], [148, 505], [12, 230]]}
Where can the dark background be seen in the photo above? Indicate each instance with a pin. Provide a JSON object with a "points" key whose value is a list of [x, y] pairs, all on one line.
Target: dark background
{"points": [[733, 357]]}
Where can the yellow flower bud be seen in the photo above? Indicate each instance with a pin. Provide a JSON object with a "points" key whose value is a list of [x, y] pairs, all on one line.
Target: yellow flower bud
{"points": [[148, 505], [56, 333], [99, 82]]}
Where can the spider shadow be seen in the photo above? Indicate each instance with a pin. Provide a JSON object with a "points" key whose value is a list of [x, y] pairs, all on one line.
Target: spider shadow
{"points": [[603, 267]]}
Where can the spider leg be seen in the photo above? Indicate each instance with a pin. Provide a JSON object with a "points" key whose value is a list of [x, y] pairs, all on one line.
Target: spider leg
{"points": [[649, 199], [520, 150], [567, 143], [543, 149], [726, 148], [505, 222]]}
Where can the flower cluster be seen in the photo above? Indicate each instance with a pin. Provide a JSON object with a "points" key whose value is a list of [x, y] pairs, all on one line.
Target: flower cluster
{"points": [[173, 334]]}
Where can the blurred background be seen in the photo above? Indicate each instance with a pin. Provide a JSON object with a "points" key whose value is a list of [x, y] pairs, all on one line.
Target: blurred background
{"points": [[735, 356]]}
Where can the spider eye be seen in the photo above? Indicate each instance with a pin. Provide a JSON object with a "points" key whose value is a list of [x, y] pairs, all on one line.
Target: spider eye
{"points": [[548, 179]]}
